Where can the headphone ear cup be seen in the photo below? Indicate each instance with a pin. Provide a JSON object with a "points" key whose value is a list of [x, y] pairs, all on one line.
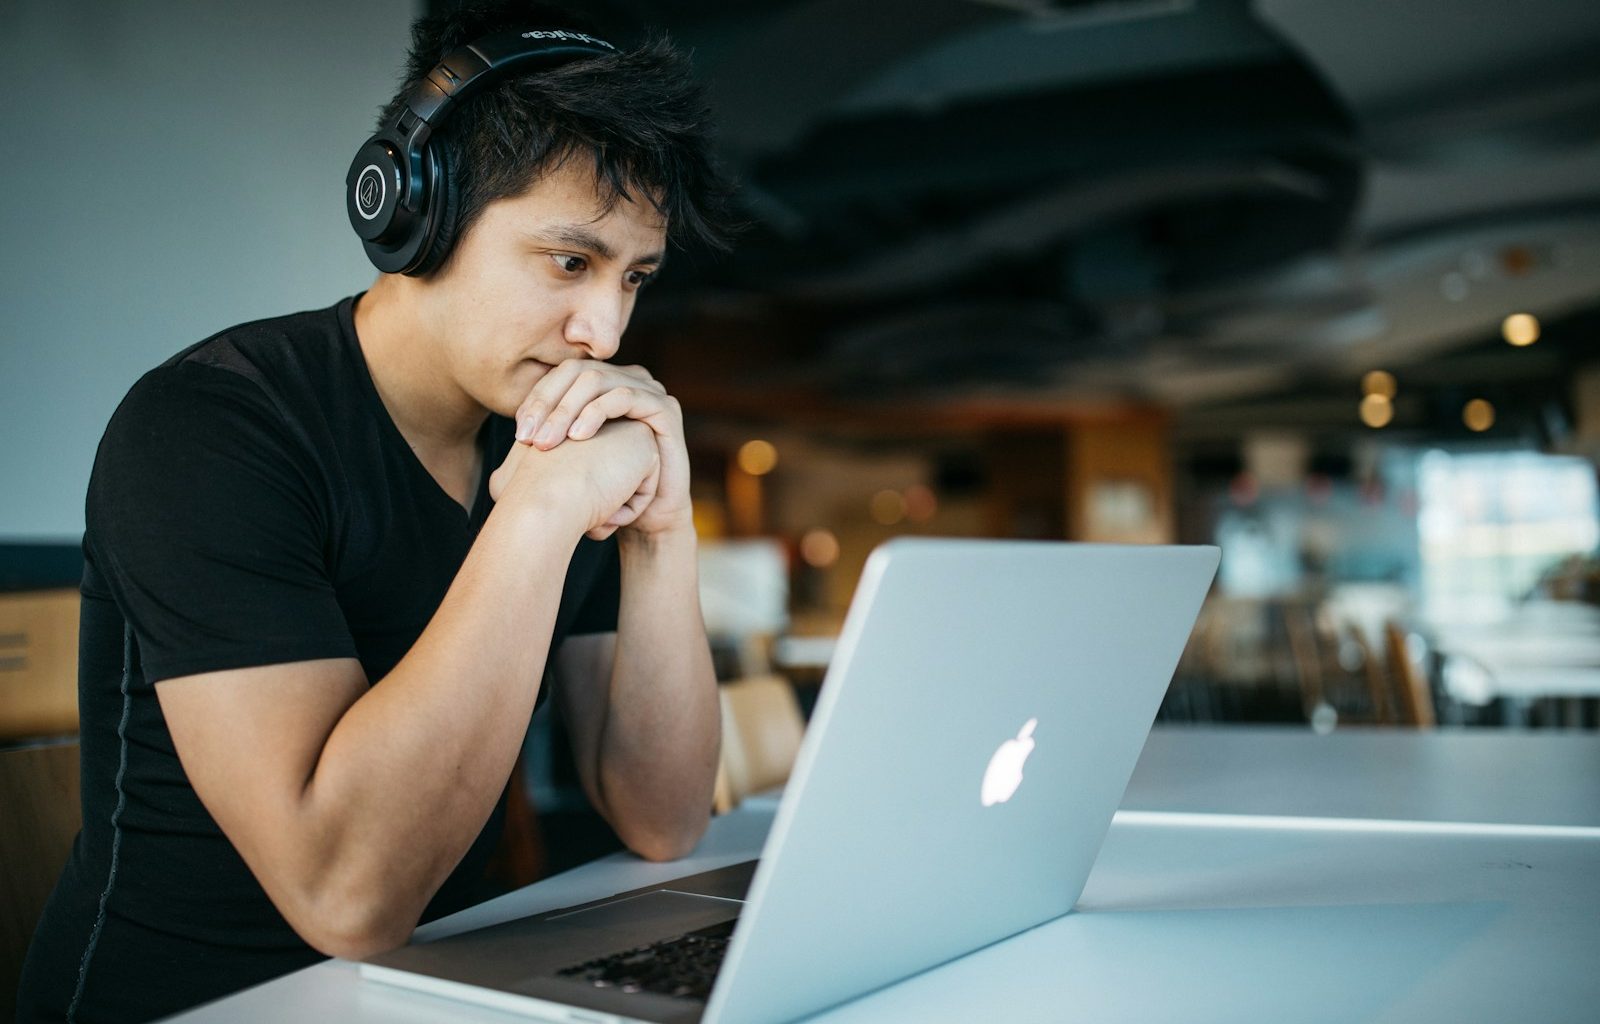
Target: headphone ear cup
{"points": [[392, 232], [372, 192], [442, 207]]}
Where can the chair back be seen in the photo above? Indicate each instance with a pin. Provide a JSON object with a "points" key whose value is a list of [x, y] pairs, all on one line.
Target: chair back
{"points": [[1415, 699], [38, 664], [1383, 711], [1301, 627], [42, 814], [761, 731]]}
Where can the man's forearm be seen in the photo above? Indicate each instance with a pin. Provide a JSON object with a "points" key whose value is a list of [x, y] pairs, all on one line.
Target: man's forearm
{"points": [[413, 768], [660, 741]]}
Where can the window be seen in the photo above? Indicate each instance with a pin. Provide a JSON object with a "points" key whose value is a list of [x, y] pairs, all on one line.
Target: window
{"points": [[1492, 523]]}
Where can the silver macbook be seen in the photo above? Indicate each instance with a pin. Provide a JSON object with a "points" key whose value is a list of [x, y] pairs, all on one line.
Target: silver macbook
{"points": [[979, 722]]}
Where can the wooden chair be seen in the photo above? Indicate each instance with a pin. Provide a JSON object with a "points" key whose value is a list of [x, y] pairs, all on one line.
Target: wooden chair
{"points": [[1301, 627], [42, 814], [519, 858], [1376, 680], [38, 664], [1339, 682], [761, 732], [1415, 698]]}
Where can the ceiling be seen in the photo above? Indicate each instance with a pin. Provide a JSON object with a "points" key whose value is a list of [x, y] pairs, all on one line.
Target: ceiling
{"points": [[1215, 205]]}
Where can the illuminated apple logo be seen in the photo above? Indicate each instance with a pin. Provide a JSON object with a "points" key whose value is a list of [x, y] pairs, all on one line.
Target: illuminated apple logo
{"points": [[1005, 767]]}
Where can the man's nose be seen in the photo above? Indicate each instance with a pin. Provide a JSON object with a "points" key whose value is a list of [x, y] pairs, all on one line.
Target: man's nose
{"points": [[597, 323]]}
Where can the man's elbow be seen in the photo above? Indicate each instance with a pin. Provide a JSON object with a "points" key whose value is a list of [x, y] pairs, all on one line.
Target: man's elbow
{"points": [[352, 929], [354, 943], [667, 844]]}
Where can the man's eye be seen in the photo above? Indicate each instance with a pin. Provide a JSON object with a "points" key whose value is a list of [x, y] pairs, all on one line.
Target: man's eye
{"points": [[639, 278], [568, 262]]}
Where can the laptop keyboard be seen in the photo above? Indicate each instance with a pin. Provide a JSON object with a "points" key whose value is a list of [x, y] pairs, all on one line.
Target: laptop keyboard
{"points": [[683, 967]]}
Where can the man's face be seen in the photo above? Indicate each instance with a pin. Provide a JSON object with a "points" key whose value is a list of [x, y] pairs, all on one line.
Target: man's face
{"points": [[540, 278]]}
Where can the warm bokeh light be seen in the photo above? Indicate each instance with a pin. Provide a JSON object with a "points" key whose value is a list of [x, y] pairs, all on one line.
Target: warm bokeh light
{"points": [[1378, 382], [888, 507], [1478, 415], [1517, 260], [1520, 329], [819, 548], [1376, 411], [710, 519], [921, 505], [757, 457]]}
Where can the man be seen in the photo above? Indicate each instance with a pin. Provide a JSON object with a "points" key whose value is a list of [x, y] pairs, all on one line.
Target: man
{"points": [[332, 558]]}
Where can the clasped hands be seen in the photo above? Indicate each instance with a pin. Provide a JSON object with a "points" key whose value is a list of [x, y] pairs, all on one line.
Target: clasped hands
{"points": [[633, 476]]}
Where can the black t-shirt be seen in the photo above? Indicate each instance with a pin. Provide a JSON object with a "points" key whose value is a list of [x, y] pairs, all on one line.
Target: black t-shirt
{"points": [[251, 503]]}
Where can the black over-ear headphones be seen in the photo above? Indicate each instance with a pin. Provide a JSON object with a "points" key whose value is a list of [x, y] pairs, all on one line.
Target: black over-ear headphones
{"points": [[398, 192]]}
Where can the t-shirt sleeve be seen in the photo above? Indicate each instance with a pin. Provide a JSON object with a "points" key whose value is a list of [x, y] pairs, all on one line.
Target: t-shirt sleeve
{"points": [[203, 517], [598, 612]]}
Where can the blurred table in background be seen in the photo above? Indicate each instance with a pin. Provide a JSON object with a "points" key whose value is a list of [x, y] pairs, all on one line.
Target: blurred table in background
{"points": [[804, 652], [1547, 649]]}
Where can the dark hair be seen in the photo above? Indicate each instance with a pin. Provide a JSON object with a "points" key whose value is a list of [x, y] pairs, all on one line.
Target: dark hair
{"points": [[637, 114]]}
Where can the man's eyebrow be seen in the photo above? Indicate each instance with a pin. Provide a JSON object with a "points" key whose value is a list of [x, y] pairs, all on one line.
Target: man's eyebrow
{"points": [[584, 239]]}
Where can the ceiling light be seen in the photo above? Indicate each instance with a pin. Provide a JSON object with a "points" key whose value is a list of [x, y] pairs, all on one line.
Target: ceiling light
{"points": [[1478, 415], [921, 504], [1378, 382], [1517, 260], [1520, 329], [888, 507], [757, 457], [1376, 411], [819, 548]]}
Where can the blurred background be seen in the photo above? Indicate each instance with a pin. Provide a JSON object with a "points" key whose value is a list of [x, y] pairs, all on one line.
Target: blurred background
{"points": [[1316, 282]]}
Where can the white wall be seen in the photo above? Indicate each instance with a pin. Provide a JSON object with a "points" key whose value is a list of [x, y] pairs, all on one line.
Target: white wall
{"points": [[168, 169]]}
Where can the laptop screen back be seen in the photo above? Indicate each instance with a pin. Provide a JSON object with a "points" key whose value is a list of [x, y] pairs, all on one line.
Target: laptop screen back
{"points": [[983, 712]]}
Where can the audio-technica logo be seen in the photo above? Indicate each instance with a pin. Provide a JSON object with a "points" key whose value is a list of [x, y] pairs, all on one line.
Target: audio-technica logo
{"points": [[369, 191], [557, 33]]}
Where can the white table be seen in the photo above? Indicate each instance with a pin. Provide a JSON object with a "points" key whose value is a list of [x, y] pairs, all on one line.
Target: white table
{"points": [[1228, 925], [1546, 649], [1346, 915], [333, 991], [1493, 776]]}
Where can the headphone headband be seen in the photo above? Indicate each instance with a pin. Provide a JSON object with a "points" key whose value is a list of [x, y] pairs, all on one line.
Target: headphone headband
{"points": [[466, 69], [392, 190]]}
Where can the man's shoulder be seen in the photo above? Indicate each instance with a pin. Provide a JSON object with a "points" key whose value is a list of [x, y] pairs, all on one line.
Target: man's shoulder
{"points": [[268, 350], [286, 364], [267, 373]]}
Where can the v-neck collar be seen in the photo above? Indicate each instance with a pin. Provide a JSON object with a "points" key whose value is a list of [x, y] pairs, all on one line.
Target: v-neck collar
{"points": [[478, 511]]}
